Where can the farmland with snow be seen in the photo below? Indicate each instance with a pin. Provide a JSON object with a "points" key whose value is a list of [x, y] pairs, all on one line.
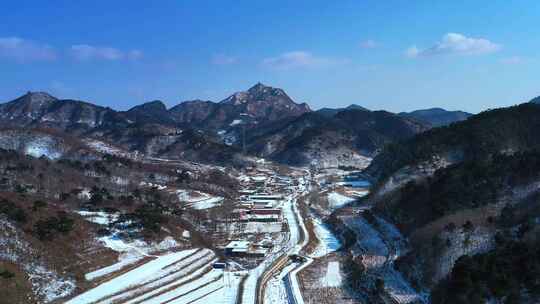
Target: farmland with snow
{"points": [[173, 277], [197, 199], [337, 200]]}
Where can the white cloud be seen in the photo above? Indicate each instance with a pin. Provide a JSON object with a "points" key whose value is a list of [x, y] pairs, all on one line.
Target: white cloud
{"points": [[134, 55], [221, 59], [512, 60], [300, 59], [369, 44], [22, 50], [454, 43], [412, 52], [84, 52]]}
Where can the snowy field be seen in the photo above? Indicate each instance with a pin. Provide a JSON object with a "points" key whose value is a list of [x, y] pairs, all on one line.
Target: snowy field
{"points": [[358, 193], [107, 148], [130, 250], [333, 276], [262, 227], [175, 277], [337, 200], [328, 242], [198, 200], [38, 149], [105, 271]]}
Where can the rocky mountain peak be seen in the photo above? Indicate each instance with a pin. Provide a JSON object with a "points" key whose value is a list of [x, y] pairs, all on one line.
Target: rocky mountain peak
{"points": [[535, 100], [258, 87], [155, 105], [30, 106], [356, 107], [260, 90], [150, 112], [36, 98]]}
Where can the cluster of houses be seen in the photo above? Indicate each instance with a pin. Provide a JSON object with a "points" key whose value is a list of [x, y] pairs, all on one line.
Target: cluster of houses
{"points": [[260, 202]]}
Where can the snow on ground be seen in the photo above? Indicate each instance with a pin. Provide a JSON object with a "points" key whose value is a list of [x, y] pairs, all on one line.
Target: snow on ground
{"points": [[130, 260], [393, 236], [131, 250], [333, 275], [235, 122], [275, 292], [355, 184], [289, 212], [42, 147], [250, 285], [178, 277], [209, 283], [227, 294], [378, 256], [295, 290], [369, 243], [207, 203], [187, 275], [152, 185], [276, 288], [263, 227], [358, 193], [46, 284], [107, 148], [337, 200], [243, 178], [399, 289], [103, 147], [229, 139], [281, 288], [152, 270], [186, 234], [197, 199], [328, 242], [98, 217]]}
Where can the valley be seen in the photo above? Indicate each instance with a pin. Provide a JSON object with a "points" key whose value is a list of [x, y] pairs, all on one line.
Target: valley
{"points": [[257, 152], [338, 206], [166, 273]]}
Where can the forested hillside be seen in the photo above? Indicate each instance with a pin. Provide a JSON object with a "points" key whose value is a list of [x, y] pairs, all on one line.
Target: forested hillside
{"points": [[502, 130]]}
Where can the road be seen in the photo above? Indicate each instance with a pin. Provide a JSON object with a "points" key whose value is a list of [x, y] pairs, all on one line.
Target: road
{"points": [[298, 240]]}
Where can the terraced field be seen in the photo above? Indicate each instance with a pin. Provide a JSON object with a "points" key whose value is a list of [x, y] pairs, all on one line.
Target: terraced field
{"points": [[176, 277]]}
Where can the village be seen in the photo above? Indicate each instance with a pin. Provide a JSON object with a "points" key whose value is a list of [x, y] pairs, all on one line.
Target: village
{"points": [[266, 243], [259, 225]]}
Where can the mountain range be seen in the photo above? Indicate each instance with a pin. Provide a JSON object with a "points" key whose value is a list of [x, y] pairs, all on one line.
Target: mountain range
{"points": [[437, 117], [263, 121], [462, 189]]}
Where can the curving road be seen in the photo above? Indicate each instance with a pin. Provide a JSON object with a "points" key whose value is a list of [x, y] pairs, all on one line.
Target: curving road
{"points": [[299, 238]]}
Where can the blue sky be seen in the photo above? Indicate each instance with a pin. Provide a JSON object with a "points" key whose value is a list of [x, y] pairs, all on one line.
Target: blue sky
{"points": [[393, 55]]}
